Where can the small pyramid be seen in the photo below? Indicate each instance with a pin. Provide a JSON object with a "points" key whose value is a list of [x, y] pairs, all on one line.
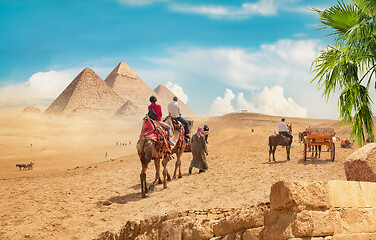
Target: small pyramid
{"points": [[87, 94], [125, 82], [165, 97]]}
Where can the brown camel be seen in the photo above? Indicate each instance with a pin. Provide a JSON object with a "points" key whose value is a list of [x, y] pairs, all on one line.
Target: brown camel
{"points": [[147, 151], [279, 140], [180, 143]]}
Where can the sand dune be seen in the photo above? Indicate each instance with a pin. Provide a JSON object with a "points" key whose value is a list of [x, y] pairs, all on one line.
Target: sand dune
{"points": [[65, 195]]}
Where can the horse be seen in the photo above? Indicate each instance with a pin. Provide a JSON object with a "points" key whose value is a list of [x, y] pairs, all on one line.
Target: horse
{"points": [[180, 143], [277, 139], [147, 151]]}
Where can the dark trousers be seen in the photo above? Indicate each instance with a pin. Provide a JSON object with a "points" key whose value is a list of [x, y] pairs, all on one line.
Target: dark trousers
{"points": [[287, 134], [186, 126]]}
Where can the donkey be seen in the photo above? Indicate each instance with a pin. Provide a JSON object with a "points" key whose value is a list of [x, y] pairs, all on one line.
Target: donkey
{"points": [[277, 139], [180, 143]]}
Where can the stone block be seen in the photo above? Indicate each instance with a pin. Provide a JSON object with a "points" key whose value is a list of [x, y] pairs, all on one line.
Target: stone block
{"points": [[222, 228], [302, 195], [313, 223], [361, 164], [252, 234], [355, 236], [355, 220]]}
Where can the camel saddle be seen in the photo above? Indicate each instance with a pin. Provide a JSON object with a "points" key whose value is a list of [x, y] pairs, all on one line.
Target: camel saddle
{"points": [[152, 130], [176, 124]]}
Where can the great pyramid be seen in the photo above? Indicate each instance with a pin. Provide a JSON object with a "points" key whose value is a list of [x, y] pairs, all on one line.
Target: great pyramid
{"points": [[125, 82], [165, 97], [87, 94]]}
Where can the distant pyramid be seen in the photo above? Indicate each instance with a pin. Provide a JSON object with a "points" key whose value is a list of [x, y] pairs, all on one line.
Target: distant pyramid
{"points": [[87, 94], [130, 109], [165, 97], [125, 82]]}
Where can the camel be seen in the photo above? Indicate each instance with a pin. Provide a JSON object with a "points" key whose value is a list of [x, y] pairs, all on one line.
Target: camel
{"points": [[147, 151], [279, 140], [180, 144]]}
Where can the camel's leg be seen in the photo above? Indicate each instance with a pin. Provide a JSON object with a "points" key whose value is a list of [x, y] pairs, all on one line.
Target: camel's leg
{"points": [[143, 182], [157, 173], [164, 164], [178, 163]]}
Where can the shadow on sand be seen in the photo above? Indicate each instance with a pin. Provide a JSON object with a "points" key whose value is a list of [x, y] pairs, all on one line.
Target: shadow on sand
{"points": [[315, 161], [276, 162]]}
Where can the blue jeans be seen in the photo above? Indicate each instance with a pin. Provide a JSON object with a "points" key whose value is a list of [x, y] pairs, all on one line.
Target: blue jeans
{"points": [[186, 126], [287, 134]]}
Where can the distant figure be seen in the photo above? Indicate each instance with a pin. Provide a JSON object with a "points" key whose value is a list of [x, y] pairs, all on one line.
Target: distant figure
{"points": [[206, 133], [31, 145], [105, 155], [175, 112], [284, 131], [252, 130], [130, 142], [117, 143], [199, 152]]}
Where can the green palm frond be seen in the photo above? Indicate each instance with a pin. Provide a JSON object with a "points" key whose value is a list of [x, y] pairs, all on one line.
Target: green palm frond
{"points": [[349, 65]]}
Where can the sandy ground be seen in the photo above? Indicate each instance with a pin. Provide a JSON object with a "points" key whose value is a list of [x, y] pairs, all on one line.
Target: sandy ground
{"points": [[61, 198]]}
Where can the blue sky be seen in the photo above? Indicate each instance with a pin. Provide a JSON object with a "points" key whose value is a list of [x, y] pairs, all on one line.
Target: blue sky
{"points": [[219, 56]]}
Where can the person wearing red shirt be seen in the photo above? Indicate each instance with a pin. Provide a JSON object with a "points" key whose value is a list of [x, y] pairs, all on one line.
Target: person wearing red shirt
{"points": [[158, 111]]}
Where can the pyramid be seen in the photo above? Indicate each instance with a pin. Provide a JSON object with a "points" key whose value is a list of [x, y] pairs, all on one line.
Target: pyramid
{"points": [[165, 97], [87, 94], [125, 82]]}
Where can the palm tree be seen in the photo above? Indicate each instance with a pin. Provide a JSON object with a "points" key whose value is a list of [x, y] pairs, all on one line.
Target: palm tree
{"points": [[349, 65]]}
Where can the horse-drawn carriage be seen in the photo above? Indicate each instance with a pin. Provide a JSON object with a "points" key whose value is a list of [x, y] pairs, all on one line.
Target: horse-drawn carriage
{"points": [[316, 137]]}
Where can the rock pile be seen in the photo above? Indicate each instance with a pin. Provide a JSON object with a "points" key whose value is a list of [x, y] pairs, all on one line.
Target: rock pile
{"points": [[361, 164], [195, 225], [334, 210]]}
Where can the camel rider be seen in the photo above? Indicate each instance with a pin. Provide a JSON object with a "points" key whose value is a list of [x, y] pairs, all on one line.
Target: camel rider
{"points": [[284, 131], [158, 111], [175, 112]]}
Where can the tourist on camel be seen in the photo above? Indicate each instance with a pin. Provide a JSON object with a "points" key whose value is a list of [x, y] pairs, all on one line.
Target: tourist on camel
{"points": [[175, 112], [284, 131], [158, 111]]}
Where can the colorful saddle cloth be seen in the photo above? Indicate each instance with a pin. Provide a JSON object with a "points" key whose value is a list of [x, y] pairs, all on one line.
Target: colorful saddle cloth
{"points": [[154, 131]]}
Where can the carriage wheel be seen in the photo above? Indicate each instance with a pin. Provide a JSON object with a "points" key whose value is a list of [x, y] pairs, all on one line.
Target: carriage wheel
{"points": [[305, 152], [333, 152]]}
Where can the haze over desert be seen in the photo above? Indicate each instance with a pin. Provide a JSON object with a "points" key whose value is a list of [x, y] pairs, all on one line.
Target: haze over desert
{"points": [[75, 191]]}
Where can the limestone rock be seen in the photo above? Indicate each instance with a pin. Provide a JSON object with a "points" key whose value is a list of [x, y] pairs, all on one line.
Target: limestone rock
{"points": [[361, 164]]}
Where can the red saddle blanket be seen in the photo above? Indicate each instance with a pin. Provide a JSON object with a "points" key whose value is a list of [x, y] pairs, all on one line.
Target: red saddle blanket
{"points": [[148, 130], [153, 131]]}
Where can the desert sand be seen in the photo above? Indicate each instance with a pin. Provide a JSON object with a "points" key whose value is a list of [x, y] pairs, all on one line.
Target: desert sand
{"points": [[84, 183]]}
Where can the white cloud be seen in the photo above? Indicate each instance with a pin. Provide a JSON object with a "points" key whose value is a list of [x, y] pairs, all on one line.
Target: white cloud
{"points": [[246, 10], [40, 89], [285, 63], [223, 105], [271, 101], [178, 91], [139, 2]]}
